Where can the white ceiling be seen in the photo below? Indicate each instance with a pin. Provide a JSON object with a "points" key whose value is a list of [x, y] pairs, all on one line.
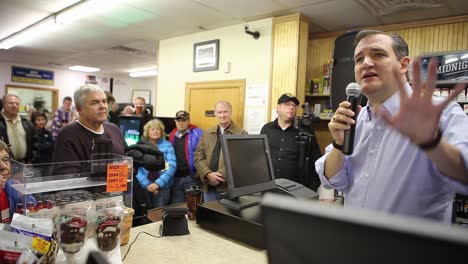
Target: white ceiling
{"points": [[123, 35]]}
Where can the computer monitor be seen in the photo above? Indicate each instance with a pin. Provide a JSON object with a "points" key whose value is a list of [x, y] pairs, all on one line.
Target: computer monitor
{"points": [[248, 167], [300, 231], [131, 128]]}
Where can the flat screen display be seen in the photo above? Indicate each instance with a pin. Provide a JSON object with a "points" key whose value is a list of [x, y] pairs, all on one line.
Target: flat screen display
{"points": [[130, 126], [249, 162]]}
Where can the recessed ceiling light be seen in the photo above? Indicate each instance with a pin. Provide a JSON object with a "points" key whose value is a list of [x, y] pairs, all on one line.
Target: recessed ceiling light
{"points": [[143, 73], [83, 68]]}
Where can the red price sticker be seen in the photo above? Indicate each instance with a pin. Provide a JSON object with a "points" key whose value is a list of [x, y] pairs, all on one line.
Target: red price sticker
{"points": [[117, 177]]}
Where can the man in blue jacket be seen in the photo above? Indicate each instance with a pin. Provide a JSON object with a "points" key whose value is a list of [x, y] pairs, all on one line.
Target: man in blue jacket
{"points": [[184, 139]]}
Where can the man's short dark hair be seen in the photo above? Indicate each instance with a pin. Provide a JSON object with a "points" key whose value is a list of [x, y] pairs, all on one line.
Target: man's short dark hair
{"points": [[67, 98], [400, 47]]}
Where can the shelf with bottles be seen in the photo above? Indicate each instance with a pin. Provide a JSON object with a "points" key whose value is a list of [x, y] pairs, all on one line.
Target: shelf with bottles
{"points": [[444, 92], [71, 182]]}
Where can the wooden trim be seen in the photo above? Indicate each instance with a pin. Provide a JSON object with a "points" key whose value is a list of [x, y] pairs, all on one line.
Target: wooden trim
{"points": [[53, 90], [292, 17], [422, 23], [219, 84]]}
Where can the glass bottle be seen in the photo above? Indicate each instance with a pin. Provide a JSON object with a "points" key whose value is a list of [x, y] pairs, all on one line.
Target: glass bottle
{"points": [[19, 208]]}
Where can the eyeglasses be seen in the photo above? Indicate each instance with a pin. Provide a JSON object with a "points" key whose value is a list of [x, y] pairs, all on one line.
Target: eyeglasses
{"points": [[290, 104]]}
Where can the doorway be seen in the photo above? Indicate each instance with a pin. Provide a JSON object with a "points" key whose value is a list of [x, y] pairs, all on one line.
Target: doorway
{"points": [[200, 98]]}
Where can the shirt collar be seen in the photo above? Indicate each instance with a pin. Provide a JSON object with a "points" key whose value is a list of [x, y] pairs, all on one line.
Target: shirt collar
{"points": [[18, 118], [391, 105]]}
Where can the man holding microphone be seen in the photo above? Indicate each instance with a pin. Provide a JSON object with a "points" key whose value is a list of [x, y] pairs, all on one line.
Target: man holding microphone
{"points": [[411, 150]]}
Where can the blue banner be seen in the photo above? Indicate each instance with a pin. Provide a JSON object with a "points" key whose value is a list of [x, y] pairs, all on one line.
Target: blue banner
{"points": [[28, 75]]}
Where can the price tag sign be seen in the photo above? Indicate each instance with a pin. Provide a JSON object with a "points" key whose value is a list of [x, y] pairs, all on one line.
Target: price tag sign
{"points": [[117, 177], [40, 245]]}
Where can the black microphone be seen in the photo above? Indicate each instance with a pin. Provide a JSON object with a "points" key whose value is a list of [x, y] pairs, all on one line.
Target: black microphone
{"points": [[353, 91]]}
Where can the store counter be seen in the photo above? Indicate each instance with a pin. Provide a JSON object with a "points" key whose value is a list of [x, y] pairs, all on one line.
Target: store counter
{"points": [[201, 246]]}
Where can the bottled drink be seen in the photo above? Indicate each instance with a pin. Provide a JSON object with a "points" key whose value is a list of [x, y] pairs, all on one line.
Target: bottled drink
{"points": [[39, 206], [19, 208], [30, 207]]}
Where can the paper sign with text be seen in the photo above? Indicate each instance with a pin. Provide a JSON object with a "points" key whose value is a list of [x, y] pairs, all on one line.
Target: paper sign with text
{"points": [[117, 177]]}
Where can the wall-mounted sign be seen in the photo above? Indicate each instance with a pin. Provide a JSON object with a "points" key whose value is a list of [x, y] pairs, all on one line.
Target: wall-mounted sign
{"points": [[209, 113], [453, 66], [28, 75]]}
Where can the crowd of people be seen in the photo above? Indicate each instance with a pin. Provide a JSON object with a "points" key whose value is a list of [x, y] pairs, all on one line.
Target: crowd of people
{"points": [[397, 166]]}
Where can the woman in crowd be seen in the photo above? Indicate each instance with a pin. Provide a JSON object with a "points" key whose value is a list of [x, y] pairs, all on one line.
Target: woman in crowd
{"points": [[44, 143], [158, 183], [9, 197]]}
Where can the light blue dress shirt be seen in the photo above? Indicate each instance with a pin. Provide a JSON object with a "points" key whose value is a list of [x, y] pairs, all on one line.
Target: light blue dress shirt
{"points": [[388, 173]]}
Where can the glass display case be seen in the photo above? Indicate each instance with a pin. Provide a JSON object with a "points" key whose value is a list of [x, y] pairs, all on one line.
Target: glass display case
{"points": [[56, 184]]}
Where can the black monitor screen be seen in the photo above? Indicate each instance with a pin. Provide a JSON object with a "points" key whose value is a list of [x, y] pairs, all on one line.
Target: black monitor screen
{"points": [[248, 164], [131, 129], [299, 231]]}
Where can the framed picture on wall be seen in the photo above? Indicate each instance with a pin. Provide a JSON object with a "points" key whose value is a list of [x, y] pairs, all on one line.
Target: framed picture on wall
{"points": [[146, 94], [206, 55]]}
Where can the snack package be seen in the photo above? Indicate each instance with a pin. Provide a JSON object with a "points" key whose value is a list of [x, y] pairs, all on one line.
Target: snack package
{"points": [[71, 227], [29, 226], [12, 246], [109, 215]]}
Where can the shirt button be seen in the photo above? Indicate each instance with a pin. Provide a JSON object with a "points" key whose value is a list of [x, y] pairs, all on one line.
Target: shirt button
{"points": [[281, 149], [282, 139], [279, 158]]}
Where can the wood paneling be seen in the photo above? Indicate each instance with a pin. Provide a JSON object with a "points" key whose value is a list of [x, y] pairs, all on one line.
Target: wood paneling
{"points": [[289, 67]]}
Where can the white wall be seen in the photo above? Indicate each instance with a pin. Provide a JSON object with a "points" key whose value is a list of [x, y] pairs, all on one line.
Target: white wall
{"points": [[68, 81], [250, 59]]}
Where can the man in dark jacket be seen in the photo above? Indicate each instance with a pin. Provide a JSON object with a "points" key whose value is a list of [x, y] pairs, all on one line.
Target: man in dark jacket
{"points": [[285, 142], [16, 130]]}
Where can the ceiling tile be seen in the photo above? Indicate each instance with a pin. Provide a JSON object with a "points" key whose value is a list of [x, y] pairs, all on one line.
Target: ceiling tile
{"points": [[338, 15]]}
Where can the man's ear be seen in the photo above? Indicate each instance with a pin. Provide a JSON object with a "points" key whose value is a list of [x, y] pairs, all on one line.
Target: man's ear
{"points": [[404, 63]]}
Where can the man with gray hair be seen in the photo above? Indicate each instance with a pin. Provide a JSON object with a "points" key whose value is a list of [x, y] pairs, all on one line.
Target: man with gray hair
{"points": [[16, 130], [90, 134]]}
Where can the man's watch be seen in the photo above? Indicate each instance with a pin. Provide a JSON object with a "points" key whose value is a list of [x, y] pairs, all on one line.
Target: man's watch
{"points": [[338, 147]]}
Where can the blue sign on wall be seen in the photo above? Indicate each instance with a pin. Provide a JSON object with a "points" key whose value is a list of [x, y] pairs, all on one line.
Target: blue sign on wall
{"points": [[28, 75]]}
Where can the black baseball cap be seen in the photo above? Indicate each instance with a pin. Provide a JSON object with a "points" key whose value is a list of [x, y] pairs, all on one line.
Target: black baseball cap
{"points": [[288, 97], [182, 115]]}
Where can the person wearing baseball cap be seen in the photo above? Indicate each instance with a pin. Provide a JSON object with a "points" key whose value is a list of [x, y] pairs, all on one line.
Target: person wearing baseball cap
{"points": [[285, 148], [184, 139]]}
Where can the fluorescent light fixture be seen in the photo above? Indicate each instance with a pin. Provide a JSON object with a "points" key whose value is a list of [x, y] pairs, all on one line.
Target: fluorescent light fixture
{"points": [[465, 56], [81, 9], [74, 11], [447, 61], [143, 73], [28, 33], [83, 68]]}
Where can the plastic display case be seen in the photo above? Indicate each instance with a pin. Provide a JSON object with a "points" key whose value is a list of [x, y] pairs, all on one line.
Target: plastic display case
{"points": [[56, 184]]}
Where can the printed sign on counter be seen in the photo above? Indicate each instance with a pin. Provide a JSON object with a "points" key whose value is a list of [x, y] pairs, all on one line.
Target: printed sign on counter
{"points": [[117, 177]]}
